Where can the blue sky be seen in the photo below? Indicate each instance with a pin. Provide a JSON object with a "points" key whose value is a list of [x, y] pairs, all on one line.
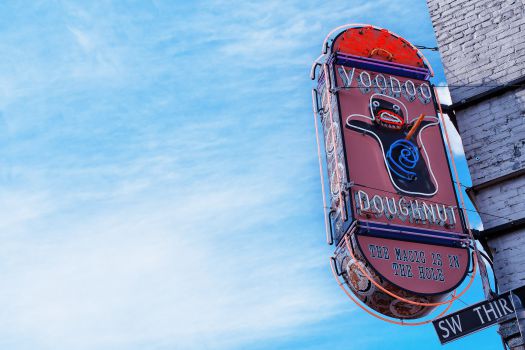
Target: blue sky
{"points": [[159, 186]]}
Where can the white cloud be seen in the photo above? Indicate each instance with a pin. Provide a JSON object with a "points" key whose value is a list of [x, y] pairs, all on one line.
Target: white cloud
{"points": [[444, 94], [456, 144], [455, 139], [187, 273], [83, 39], [195, 239], [167, 159], [478, 226]]}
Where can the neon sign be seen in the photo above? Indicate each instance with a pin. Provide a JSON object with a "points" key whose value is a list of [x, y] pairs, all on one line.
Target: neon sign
{"points": [[413, 210], [400, 241]]}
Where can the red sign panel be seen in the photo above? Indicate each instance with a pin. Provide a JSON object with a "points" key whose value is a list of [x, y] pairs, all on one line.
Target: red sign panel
{"points": [[399, 175], [420, 268], [395, 153], [390, 182], [387, 162]]}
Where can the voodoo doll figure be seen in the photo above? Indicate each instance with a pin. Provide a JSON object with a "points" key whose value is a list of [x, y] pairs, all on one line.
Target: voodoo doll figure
{"points": [[399, 137]]}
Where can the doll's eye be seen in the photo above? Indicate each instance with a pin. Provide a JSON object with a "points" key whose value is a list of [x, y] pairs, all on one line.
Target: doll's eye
{"points": [[375, 104], [396, 108]]}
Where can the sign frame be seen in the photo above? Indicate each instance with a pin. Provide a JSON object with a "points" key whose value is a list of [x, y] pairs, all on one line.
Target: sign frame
{"points": [[329, 77]]}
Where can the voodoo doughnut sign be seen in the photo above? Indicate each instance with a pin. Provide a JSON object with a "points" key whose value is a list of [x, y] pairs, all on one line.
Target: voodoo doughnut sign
{"points": [[394, 214]]}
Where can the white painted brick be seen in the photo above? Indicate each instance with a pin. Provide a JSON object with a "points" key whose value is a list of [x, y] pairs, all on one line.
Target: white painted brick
{"points": [[504, 200], [483, 42], [509, 259]]}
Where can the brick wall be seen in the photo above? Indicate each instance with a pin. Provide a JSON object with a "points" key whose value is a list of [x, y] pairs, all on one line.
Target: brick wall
{"points": [[480, 41], [502, 203], [509, 262], [482, 44], [493, 134]]}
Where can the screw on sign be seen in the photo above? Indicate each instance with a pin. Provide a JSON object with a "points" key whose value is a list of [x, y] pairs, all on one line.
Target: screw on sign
{"points": [[401, 242]]}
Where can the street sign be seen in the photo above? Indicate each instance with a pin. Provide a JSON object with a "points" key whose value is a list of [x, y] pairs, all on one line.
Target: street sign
{"points": [[478, 316]]}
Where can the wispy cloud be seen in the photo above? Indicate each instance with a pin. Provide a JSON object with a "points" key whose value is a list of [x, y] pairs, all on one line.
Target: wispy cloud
{"points": [[455, 140], [158, 173], [444, 94], [188, 274]]}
